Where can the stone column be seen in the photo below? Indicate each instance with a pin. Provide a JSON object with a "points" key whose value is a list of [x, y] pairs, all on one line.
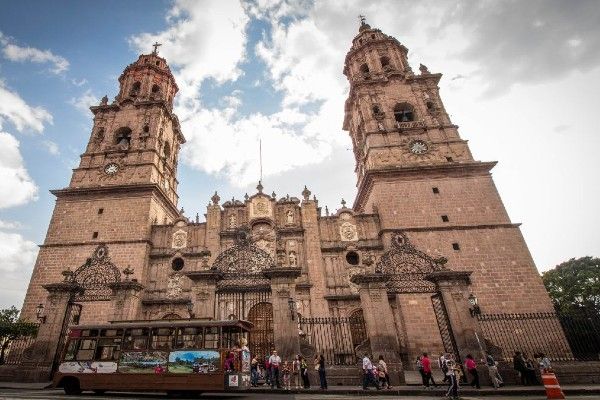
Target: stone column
{"points": [[38, 360], [285, 328], [379, 322], [126, 299], [454, 288], [204, 291]]}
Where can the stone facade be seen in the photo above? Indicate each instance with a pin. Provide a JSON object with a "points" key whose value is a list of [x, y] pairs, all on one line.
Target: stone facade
{"points": [[427, 227]]}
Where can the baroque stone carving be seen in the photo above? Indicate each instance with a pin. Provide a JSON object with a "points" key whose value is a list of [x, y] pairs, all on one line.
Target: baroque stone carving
{"points": [[348, 232], [260, 207], [407, 267], [179, 239], [174, 286], [95, 276]]}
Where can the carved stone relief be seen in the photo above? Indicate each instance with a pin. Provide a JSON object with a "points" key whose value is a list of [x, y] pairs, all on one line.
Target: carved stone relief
{"points": [[179, 239], [348, 232], [174, 286], [260, 207]]}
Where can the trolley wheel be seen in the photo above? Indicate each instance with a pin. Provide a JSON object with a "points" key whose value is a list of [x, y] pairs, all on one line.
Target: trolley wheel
{"points": [[71, 386], [99, 391]]}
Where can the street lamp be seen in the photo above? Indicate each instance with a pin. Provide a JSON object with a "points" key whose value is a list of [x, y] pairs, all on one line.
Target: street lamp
{"points": [[39, 313], [292, 307], [474, 309]]}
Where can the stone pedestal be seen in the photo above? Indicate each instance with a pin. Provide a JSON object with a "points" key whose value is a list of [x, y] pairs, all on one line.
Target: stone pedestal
{"points": [[38, 360], [203, 292], [379, 322], [126, 300], [285, 324], [454, 288]]}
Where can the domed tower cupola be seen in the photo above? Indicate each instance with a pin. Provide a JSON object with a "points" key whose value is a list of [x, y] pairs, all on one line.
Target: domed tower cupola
{"points": [[149, 79]]}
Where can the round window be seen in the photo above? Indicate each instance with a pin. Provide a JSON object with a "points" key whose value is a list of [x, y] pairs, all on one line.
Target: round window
{"points": [[352, 258], [177, 264]]}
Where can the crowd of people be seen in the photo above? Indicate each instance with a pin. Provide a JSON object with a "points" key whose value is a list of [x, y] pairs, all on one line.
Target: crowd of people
{"points": [[286, 374], [294, 374]]}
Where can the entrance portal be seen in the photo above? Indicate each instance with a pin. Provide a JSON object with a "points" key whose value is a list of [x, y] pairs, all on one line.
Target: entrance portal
{"points": [[261, 337]]}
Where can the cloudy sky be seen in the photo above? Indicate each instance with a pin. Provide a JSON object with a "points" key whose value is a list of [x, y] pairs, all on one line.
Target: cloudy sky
{"points": [[521, 79]]}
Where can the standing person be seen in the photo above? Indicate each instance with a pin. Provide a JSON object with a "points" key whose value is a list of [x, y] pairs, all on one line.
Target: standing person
{"points": [[304, 372], [419, 365], [544, 363], [492, 366], [368, 376], [519, 366], [471, 366], [443, 367], [320, 367], [382, 367], [426, 363], [254, 372], [530, 370], [274, 362], [296, 372], [286, 371], [267, 370], [453, 376]]}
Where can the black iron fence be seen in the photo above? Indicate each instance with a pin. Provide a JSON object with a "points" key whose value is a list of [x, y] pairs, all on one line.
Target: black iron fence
{"points": [[340, 340], [16, 350], [560, 337]]}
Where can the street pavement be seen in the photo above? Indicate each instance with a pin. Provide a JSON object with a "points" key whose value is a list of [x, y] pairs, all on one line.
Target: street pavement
{"points": [[54, 394]]}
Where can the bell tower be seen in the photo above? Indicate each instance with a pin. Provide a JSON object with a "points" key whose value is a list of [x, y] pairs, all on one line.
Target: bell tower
{"points": [[125, 182]]}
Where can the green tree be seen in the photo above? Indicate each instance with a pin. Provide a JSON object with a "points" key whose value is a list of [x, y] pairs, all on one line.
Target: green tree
{"points": [[11, 328], [574, 285]]}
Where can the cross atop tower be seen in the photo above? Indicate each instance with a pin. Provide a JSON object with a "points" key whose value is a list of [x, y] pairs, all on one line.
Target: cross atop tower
{"points": [[363, 19], [156, 45]]}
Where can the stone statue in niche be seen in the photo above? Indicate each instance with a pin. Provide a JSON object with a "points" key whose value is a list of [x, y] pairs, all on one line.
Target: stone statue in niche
{"points": [[289, 215], [293, 259], [232, 221]]}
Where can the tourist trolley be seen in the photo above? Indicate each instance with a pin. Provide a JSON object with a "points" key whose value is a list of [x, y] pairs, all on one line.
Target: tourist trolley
{"points": [[173, 356]]}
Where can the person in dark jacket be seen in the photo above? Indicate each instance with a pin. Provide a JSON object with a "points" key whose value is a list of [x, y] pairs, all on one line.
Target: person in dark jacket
{"points": [[520, 366]]}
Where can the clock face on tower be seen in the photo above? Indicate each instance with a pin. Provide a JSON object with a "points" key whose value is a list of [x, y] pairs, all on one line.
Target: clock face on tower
{"points": [[418, 147], [111, 169]]}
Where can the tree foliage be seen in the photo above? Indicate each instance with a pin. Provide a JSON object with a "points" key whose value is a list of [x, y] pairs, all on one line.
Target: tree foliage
{"points": [[11, 328], [574, 285]]}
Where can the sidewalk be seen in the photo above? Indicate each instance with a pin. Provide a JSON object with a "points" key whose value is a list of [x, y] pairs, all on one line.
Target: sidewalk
{"points": [[411, 390]]}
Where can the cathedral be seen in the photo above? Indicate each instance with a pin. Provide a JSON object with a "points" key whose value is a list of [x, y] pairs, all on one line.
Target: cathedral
{"points": [[425, 245]]}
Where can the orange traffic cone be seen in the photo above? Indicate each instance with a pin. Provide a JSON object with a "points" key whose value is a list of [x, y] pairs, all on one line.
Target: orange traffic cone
{"points": [[553, 390]]}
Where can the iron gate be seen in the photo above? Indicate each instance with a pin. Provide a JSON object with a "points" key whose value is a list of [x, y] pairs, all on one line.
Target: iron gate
{"points": [[261, 338], [444, 326]]}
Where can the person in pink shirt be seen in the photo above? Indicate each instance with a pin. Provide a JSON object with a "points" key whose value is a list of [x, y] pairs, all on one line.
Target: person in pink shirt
{"points": [[471, 367]]}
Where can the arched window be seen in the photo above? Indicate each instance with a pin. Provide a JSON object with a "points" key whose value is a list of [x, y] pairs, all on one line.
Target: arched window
{"points": [[167, 150], [404, 112], [430, 106], [155, 88], [364, 70], [385, 62], [135, 88], [123, 137], [376, 110], [100, 135]]}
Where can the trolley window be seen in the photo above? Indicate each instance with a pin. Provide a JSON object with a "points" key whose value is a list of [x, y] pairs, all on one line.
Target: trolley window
{"points": [[162, 338], [86, 349], [189, 338], [136, 339], [211, 337]]}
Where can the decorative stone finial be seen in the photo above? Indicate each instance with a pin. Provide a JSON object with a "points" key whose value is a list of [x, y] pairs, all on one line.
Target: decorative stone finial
{"points": [[363, 23], [274, 195], [326, 211], [127, 272], [104, 100], [181, 211], [343, 203], [306, 193], [215, 198], [197, 218], [424, 70], [246, 197], [259, 187]]}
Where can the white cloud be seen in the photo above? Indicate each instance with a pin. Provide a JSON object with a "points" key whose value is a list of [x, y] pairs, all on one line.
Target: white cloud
{"points": [[14, 109], [204, 40], [84, 102], [16, 186], [17, 53], [51, 147], [17, 257], [10, 224]]}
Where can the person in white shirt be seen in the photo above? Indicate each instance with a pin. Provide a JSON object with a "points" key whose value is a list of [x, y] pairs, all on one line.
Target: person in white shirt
{"points": [[368, 375], [274, 361]]}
